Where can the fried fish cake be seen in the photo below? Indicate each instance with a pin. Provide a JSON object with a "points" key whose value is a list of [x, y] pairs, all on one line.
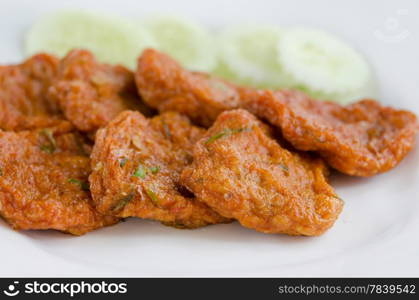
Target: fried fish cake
{"points": [[242, 173], [23, 89], [90, 93], [136, 167], [44, 181], [362, 139], [166, 86]]}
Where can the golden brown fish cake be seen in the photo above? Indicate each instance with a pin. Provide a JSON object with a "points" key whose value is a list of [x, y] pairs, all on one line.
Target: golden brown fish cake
{"points": [[23, 100], [362, 139], [44, 181], [90, 93], [242, 173], [166, 86], [136, 166]]}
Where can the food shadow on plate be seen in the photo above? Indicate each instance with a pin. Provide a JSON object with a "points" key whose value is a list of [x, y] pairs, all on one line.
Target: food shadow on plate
{"points": [[405, 172], [340, 180], [137, 229]]}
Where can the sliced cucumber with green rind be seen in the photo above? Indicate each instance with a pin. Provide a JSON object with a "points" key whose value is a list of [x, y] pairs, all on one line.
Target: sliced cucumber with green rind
{"points": [[261, 56], [369, 90], [113, 40], [321, 62], [250, 53], [224, 72], [186, 41]]}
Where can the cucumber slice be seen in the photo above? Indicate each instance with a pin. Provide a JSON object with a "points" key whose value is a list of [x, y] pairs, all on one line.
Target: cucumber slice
{"points": [[369, 90], [321, 63], [186, 41], [113, 40], [250, 53], [224, 72]]}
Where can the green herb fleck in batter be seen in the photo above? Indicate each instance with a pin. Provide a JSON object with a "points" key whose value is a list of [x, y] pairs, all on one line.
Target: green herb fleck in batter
{"points": [[82, 184], [123, 202], [152, 195], [140, 172], [51, 146], [225, 133], [123, 161], [155, 169]]}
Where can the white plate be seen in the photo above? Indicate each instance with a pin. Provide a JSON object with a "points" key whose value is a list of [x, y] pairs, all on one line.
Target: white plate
{"points": [[376, 234]]}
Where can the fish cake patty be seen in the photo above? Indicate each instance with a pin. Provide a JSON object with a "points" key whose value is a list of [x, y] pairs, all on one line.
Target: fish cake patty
{"points": [[361, 139], [91, 94], [166, 86], [136, 166], [24, 103], [242, 173], [44, 181]]}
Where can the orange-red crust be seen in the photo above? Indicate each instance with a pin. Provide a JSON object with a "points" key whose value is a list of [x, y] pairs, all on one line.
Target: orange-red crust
{"points": [[242, 173], [362, 139], [40, 182], [91, 94], [136, 166], [166, 86], [23, 94]]}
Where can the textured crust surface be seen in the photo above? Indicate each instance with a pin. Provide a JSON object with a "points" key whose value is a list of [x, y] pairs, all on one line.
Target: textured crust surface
{"points": [[92, 94], [42, 177], [23, 89], [166, 86], [136, 167], [242, 173], [362, 139]]}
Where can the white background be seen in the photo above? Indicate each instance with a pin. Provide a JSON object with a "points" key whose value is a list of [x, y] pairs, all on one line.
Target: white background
{"points": [[377, 232]]}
